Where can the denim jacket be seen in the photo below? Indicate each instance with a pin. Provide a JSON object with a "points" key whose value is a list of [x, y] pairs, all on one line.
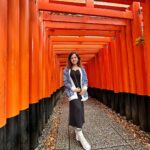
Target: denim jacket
{"points": [[70, 86]]}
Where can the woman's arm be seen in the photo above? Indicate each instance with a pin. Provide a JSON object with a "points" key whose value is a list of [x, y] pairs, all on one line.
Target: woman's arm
{"points": [[67, 82], [85, 79]]}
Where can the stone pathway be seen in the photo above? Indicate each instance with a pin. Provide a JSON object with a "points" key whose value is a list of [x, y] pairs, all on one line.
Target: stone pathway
{"points": [[100, 130]]}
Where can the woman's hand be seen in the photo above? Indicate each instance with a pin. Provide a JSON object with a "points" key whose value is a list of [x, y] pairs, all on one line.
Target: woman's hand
{"points": [[77, 90], [82, 92]]}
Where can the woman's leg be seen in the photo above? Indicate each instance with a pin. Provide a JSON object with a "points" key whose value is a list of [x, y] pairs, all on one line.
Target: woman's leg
{"points": [[76, 113], [80, 137]]}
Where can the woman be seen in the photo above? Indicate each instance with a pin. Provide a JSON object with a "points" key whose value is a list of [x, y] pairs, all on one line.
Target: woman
{"points": [[76, 84]]}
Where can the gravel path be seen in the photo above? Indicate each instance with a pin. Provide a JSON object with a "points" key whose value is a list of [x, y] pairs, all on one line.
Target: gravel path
{"points": [[100, 129]]}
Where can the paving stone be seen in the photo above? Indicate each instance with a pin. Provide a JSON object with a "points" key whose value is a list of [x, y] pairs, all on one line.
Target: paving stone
{"points": [[136, 145], [63, 135], [127, 147], [124, 133]]}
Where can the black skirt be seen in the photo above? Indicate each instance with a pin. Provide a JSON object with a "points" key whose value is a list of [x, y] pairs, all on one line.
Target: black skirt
{"points": [[76, 112]]}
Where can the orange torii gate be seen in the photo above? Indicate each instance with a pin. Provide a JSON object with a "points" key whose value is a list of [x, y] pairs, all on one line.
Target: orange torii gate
{"points": [[124, 30], [32, 48]]}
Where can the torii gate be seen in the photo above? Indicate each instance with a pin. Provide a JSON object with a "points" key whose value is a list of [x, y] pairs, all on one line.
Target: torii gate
{"points": [[36, 37]]}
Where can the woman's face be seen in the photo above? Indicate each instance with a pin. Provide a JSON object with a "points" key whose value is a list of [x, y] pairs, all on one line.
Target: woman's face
{"points": [[74, 59]]}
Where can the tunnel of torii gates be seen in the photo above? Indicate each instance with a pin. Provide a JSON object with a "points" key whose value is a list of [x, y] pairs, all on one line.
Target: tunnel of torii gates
{"points": [[111, 36]]}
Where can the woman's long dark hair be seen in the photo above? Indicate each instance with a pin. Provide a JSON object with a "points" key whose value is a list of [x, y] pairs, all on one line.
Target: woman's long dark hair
{"points": [[69, 65]]}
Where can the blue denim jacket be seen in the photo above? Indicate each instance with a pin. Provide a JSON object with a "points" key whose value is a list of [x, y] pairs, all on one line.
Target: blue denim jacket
{"points": [[70, 86]]}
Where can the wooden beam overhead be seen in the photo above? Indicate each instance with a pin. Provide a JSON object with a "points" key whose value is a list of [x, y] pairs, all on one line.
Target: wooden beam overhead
{"points": [[77, 46], [95, 5], [85, 19], [59, 52], [84, 10], [80, 26], [76, 43], [63, 32], [128, 2], [80, 39]]}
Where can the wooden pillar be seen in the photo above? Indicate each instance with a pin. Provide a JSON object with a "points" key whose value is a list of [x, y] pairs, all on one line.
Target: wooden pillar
{"points": [[114, 57], [138, 49], [111, 85], [41, 73], [34, 73], [118, 66], [122, 69], [41, 55], [130, 55], [44, 63], [98, 67], [13, 84], [112, 69], [3, 71], [146, 15], [3, 62], [104, 76], [139, 64], [34, 50], [124, 61], [132, 102], [97, 70], [50, 66], [24, 73]]}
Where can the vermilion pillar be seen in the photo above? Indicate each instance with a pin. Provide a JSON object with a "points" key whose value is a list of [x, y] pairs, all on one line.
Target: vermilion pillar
{"points": [[111, 86], [124, 62], [34, 52], [131, 58], [146, 14], [99, 64], [132, 102], [41, 76], [41, 55], [119, 65], [44, 63], [13, 76], [34, 73], [126, 97], [116, 73], [3, 71], [24, 54], [24, 74], [108, 69], [113, 53], [50, 65], [13, 103], [3, 61], [140, 72], [147, 50], [138, 50], [97, 71]]}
